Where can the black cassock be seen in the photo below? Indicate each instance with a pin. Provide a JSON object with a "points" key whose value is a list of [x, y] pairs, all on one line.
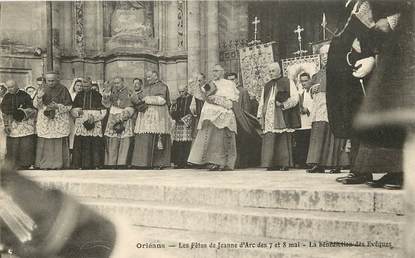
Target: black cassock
{"points": [[88, 151], [344, 91], [182, 143], [390, 102]]}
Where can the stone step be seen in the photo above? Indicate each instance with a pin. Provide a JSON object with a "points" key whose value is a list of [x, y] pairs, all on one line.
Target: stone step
{"points": [[263, 222], [184, 244], [246, 188]]}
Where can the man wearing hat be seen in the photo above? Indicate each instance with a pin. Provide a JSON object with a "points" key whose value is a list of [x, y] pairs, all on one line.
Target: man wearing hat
{"points": [[54, 104], [279, 114], [19, 121], [215, 142]]}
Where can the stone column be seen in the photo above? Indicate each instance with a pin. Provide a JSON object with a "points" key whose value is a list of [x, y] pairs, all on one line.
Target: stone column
{"points": [[53, 45], [193, 38], [212, 19], [172, 26], [49, 41]]}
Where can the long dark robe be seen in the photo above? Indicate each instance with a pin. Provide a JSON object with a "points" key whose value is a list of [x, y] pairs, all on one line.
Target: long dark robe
{"points": [[344, 91], [58, 94], [277, 150], [88, 151], [20, 150], [11, 102], [53, 153], [153, 150], [181, 148], [325, 149], [248, 139], [390, 102]]}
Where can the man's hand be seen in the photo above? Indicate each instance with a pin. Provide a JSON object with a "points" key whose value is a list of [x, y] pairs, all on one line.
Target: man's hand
{"points": [[91, 118], [125, 115], [40, 93], [7, 130], [383, 25], [261, 123], [279, 104], [364, 67], [54, 105], [304, 111], [211, 99], [315, 89]]}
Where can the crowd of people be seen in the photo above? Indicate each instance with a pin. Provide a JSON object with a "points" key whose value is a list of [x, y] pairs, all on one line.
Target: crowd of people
{"points": [[214, 124]]}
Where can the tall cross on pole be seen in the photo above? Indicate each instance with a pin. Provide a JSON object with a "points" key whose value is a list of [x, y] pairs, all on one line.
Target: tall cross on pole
{"points": [[255, 23], [324, 24], [298, 32]]}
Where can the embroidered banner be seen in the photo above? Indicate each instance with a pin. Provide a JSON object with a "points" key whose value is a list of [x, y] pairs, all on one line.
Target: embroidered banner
{"points": [[309, 60], [254, 61]]}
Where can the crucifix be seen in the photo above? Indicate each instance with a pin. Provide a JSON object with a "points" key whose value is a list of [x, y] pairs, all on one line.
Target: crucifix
{"points": [[255, 23], [298, 32]]}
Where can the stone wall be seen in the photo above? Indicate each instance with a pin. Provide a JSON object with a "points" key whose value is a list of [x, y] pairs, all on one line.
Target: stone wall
{"points": [[22, 29], [86, 43]]}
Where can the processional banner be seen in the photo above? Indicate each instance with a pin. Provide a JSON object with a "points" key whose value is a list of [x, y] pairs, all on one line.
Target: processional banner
{"points": [[291, 67], [254, 67]]}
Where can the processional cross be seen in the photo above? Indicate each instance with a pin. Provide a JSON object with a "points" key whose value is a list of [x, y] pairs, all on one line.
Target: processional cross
{"points": [[300, 50], [255, 23]]}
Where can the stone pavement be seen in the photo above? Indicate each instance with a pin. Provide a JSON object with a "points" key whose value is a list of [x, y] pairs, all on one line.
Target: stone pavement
{"points": [[304, 211]]}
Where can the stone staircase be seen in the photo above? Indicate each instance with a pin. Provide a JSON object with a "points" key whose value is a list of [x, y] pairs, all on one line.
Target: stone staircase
{"points": [[247, 213]]}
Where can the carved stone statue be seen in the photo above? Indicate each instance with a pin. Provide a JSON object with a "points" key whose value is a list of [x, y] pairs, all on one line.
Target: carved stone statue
{"points": [[131, 24], [130, 17]]}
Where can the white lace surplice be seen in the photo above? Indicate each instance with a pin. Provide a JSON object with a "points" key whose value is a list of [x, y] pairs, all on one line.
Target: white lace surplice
{"points": [[115, 115], [269, 115], [307, 103], [53, 128], [156, 119], [218, 115], [98, 115], [319, 111]]}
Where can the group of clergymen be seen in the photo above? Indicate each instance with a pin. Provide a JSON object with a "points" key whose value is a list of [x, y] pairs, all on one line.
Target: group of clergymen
{"points": [[212, 124], [215, 123]]}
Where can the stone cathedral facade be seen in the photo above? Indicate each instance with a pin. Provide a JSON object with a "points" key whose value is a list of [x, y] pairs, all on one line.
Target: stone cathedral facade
{"points": [[103, 39]]}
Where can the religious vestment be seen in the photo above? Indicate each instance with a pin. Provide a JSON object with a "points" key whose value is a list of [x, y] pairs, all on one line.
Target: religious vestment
{"points": [[152, 142], [182, 132], [302, 134], [196, 108], [19, 116], [248, 139], [346, 92], [355, 39], [389, 104], [73, 92], [325, 150], [89, 146], [119, 126], [215, 140], [52, 150], [278, 123], [3, 137]]}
